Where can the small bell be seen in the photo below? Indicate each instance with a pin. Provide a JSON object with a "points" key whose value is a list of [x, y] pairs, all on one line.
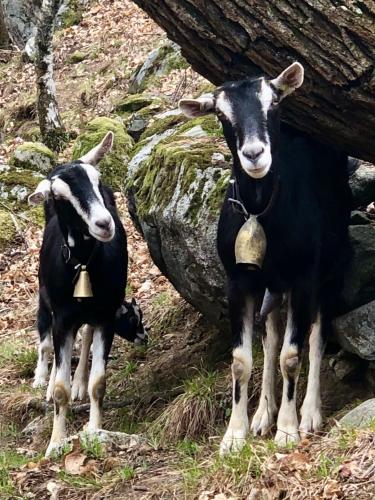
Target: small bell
{"points": [[251, 243], [83, 286]]}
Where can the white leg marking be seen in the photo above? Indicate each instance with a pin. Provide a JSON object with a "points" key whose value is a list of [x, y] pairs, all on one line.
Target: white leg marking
{"points": [[287, 420], [234, 438], [41, 371], [96, 381], [81, 375], [61, 396], [311, 409], [264, 417], [51, 383]]}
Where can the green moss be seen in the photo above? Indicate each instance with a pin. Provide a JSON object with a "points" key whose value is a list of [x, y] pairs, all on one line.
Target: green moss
{"points": [[216, 195], [135, 103], [209, 124], [36, 215], [161, 125], [76, 57], [113, 166], [29, 131], [8, 231], [19, 177], [158, 176], [33, 156], [72, 15]]}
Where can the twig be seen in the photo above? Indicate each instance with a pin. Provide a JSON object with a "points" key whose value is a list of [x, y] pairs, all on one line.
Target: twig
{"points": [[42, 406]]}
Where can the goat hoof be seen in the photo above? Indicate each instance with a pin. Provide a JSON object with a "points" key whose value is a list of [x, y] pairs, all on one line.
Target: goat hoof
{"points": [[79, 390], [262, 421], [287, 436], [39, 382], [310, 422], [53, 450], [233, 441]]}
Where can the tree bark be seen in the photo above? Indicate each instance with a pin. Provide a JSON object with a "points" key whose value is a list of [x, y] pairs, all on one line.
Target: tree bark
{"points": [[232, 39], [4, 33], [51, 127]]}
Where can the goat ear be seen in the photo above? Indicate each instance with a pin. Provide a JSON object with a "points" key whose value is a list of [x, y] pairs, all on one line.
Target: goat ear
{"points": [[197, 107], [94, 156], [41, 192], [289, 80]]}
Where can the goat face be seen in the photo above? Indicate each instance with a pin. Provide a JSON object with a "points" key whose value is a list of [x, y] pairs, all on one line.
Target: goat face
{"points": [[249, 113], [129, 323], [76, 191]]}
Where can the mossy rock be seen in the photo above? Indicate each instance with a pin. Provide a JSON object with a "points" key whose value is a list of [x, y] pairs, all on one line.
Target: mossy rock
{"points": [[136, 102], [165, 121], [76, 57], [114, 166], [8, 230], [71, 14], [16, 184], [159, 62], [36, 215], [33, 156], [177, 164]]}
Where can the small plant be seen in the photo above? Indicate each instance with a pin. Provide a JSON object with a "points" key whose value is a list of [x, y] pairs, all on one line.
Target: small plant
{"points": [[79, 481], [326, 466], [92, 446], [127, 473], [9, 460]]}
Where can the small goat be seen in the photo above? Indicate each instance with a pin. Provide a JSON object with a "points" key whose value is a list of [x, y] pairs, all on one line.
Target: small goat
{"points": [[283, 230], [129, 325], [83, 233]]}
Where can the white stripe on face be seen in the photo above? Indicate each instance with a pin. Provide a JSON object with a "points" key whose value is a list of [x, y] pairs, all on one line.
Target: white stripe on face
{"points": [[259, 166], [223, 106], [97, 211]]}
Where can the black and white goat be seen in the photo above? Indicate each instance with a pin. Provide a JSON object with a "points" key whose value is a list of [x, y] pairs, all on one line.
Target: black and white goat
{"points": [[299, 189], [82, 229], [128, 325]]}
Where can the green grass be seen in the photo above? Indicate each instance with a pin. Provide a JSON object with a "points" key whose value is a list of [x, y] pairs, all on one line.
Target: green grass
{"points": [[9, 460], [79, 481], [8, 430], [15, 353], [92, 446], [127, 473], [327, 466]]}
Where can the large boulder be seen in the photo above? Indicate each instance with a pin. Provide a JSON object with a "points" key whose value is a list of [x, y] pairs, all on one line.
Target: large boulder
{"points": [[177, 179], [33, 156], [356, 331], [113, 166], [362, 415], [362, 183]]}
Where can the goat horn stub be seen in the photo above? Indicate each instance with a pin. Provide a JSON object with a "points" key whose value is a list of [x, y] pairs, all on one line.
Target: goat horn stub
{"points": [[83, 289], [251, 243]]}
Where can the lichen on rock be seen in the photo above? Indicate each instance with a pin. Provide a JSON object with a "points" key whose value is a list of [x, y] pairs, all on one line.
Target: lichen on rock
{"points": [[113, 166], [33, 156], [177, 181], [16, 184]]}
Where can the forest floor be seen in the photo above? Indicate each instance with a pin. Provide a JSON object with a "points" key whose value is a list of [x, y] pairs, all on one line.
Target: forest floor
{"points": [[170, 393]]}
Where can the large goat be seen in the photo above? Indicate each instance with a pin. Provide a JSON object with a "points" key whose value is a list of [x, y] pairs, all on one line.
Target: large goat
{"points": [[292, 192], [83, 239]]}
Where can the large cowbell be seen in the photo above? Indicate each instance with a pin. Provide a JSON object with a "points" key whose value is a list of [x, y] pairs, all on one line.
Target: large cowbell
{"points": [[83, 288], [251, 243]]}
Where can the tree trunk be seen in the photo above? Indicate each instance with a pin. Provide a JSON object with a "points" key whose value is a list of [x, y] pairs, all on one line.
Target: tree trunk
{"points": [[232, 39], [51, 128], [4, 34]]}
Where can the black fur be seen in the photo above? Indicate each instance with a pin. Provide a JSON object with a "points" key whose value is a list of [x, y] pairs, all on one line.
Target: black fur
{"points": [[107, 267], [307, 226]]}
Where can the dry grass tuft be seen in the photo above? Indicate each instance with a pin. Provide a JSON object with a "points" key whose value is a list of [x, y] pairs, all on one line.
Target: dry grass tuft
{"points": [[195, 413]]}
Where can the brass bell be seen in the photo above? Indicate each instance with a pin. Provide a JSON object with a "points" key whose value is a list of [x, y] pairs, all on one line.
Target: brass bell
{"points": [[83, 286], [251, 243]]}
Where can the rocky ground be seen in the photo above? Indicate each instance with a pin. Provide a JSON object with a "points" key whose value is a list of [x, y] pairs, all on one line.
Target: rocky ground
{"points": [[174, 395]]}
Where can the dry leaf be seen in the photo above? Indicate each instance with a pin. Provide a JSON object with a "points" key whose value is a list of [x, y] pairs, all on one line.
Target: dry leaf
{"points": [[74, 461]]}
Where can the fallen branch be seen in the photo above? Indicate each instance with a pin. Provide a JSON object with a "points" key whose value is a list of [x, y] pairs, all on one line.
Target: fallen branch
{"points": [[43, 406]]}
